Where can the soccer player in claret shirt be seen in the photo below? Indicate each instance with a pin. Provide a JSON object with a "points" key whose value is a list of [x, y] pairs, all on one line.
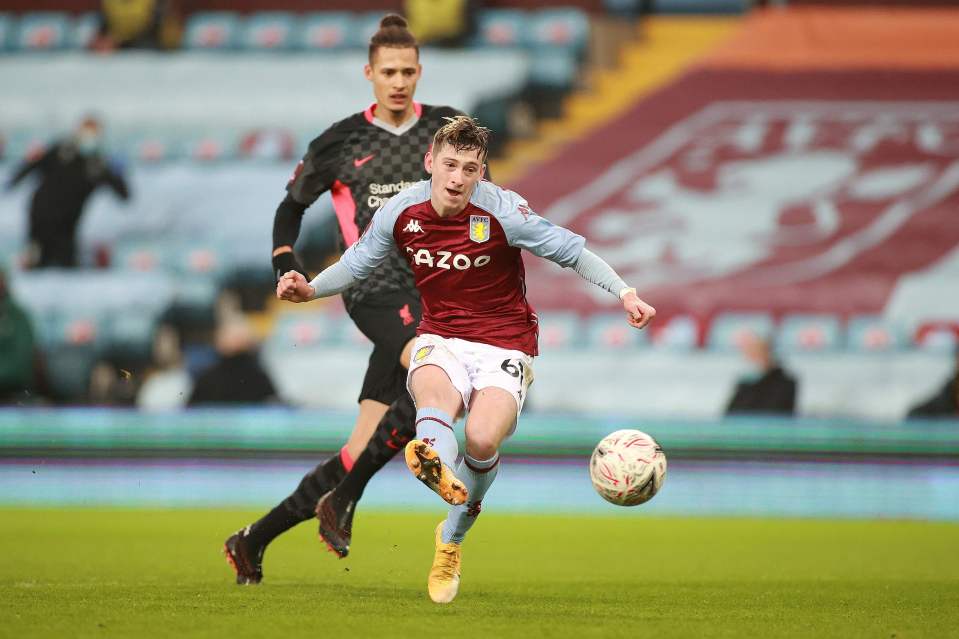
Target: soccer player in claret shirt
{"points": [[475, 345], [363, 160]]}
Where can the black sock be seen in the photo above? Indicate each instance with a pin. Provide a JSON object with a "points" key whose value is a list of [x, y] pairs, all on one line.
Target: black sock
{"points": [[391, 434], [300, 505]]}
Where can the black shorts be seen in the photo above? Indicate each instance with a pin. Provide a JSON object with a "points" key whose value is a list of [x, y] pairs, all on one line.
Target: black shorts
{"points": [[390, 322]]}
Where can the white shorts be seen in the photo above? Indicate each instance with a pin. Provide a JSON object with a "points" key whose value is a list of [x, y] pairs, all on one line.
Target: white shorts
{"points": [[474, 366]]}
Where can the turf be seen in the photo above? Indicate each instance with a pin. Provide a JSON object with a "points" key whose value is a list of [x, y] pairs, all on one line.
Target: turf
{"points": [[122, 573]]}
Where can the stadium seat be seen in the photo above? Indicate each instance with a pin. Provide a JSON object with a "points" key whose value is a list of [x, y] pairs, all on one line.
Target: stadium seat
{"points": [[728, 330], [502, 28], [268, 144], [553, 68], [196, 272], [941, 336], [194, 300], [42, 31], [129, 335], [680, 332], [79, 327], [364, 27], [211, 30], [198, 260], [91, 294], [139, 257], [75, 340], [700, 6], [7, 28], [68, 371], [560, 330], [149, 148], [83, 31], [211, 147], [611, 332], [564, 28], [327, 30], [872, 334], [303, 330], [808, 334], [270, 30]]}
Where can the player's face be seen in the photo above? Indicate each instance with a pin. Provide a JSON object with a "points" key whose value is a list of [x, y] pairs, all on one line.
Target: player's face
{"points": [[455, 174], [394, 74]]}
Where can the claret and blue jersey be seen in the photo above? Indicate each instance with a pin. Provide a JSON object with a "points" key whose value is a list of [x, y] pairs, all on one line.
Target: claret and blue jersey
{"points": [[468, 267]]}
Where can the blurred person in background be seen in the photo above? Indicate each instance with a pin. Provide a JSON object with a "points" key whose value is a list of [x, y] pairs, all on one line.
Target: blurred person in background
{"points": [[137, 24], [167, 385], [363, 160], [18, 352], [442, 23], [68, 173], [768, 389], [111, 385], [237, 377], [945, 403]]}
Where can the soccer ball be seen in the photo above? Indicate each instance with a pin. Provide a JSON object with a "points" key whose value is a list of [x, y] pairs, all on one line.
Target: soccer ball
{"points": [[627, 468]]}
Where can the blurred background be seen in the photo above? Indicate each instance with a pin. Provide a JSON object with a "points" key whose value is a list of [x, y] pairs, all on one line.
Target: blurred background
{"points": [[780, 179]]}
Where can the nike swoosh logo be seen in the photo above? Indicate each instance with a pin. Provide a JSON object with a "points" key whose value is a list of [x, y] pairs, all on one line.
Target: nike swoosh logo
{"points": [[362, 161]]}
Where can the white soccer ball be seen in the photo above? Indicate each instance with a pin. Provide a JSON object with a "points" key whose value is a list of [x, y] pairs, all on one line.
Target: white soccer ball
{"points": [[627, 468]]}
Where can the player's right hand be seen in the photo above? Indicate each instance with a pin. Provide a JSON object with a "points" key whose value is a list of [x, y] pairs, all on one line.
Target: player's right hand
{"points": [[293, 287], [638, 312]]}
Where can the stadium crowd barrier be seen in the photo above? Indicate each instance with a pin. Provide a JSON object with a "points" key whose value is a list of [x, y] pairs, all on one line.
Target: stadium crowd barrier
{"points": [[254, 431]]}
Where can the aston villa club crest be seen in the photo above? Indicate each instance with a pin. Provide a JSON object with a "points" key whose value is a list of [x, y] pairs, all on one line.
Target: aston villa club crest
{"points": [[479, 228]]}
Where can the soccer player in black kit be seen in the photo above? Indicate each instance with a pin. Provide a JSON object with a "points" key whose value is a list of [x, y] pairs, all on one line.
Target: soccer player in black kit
{"points": [[362, 161]]}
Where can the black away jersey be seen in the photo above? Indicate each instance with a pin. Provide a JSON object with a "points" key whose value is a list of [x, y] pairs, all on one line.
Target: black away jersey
{"points": [[363, 161]]}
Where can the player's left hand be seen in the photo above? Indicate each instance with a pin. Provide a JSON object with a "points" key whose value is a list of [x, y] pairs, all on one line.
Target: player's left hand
{"points": [[638, 312]]}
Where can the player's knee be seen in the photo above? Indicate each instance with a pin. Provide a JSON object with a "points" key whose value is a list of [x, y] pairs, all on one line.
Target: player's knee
{"points": [[481, 445], [432, 387]]}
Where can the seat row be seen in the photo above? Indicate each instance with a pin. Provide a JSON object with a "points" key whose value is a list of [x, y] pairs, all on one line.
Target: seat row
{"points": [[727, 332], [286, 31], [172, 145]]}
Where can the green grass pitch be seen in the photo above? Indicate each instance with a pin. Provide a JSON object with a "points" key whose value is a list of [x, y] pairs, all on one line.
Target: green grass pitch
{"points": [[128, 573]]}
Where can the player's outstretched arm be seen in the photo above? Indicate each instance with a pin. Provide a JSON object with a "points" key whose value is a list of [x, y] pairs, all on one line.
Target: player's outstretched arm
{"points": [[595, 269], [529, 231]]}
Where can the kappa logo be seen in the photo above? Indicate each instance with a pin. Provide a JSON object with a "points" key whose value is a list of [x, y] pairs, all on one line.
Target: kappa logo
{"points": [[413, 227], [361, 161], [479, 228]]}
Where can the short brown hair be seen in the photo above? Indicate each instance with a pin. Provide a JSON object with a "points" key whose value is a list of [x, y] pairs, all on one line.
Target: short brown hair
{"points": [[463, 133], [393, 33]]}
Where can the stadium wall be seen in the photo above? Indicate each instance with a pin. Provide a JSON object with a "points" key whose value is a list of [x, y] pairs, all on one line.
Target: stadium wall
{"points": [[251, 458]]}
